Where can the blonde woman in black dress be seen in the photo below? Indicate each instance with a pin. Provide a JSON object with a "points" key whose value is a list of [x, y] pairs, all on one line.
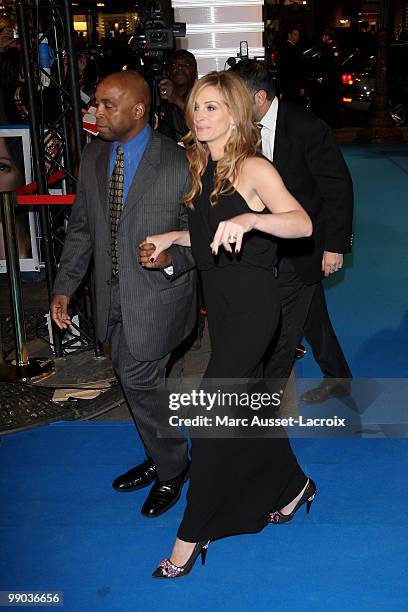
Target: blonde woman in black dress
{"points": [[236, 203]]}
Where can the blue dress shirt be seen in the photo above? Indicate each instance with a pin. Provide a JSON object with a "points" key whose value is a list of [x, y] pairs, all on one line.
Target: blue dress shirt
{"points": [[132, 154]]}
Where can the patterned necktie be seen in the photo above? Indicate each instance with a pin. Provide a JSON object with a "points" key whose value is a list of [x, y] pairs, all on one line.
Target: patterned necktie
{"points": [[116, 205]]}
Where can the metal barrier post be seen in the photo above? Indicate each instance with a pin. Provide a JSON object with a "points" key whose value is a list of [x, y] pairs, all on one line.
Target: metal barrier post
{"points": [[24, 369]]}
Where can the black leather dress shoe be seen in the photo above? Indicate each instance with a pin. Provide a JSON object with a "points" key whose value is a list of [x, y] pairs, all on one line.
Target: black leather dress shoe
{"points": [[138, 477], [164, 494], [325, 391]]}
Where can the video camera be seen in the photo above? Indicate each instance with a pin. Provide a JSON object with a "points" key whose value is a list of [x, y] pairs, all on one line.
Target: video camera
{"points": [[161, 37], [153, 35]]}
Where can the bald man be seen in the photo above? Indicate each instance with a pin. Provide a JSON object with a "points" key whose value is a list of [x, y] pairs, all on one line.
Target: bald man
{"points": [[131, 183]]}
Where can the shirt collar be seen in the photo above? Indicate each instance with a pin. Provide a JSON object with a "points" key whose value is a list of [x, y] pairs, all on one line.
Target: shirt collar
{"points": [[140, 140], [269, 119]]}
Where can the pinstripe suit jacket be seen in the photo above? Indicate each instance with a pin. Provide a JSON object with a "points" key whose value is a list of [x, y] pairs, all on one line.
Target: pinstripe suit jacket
{"points": [[157, 312]]}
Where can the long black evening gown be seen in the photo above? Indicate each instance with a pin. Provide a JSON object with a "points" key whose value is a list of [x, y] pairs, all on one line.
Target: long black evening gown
{"points": [[236, 482]]}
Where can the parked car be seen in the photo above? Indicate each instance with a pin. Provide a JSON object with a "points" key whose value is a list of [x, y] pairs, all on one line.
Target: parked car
{"points": [[316, 75], [357, 81]]}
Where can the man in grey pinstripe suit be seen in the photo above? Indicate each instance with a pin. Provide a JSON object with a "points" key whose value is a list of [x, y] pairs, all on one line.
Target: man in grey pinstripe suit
{"points": [[144, 314]]}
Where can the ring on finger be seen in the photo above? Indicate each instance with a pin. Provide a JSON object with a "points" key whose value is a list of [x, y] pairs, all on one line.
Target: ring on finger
{"points": [[232, 239]]}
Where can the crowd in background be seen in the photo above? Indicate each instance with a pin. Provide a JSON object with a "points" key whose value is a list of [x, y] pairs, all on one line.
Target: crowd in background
{"points": [[306, 69]]}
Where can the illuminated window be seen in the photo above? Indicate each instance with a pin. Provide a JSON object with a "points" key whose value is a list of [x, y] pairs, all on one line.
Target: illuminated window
{"points": [[80, 24], [215, 29]]}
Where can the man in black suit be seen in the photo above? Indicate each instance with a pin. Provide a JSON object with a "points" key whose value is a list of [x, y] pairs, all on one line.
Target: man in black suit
{"points": [[304, 152], [291, 77], [130, 186], [326, 99]]}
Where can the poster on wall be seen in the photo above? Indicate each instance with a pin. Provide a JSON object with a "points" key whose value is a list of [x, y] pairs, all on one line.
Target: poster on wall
{"points": [[15, 171]]}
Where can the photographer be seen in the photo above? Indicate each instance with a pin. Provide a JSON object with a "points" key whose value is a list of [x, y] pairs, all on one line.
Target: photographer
{"points": [[174, 90], [182, 74], [8, 34]]}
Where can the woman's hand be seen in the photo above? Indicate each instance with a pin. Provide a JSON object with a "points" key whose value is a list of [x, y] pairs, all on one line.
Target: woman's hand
{"points": [[232, 231], [153, 251]]}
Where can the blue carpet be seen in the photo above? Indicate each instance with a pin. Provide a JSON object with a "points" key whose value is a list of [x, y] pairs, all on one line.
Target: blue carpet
{"points": [[368, 299], [64, 528]]}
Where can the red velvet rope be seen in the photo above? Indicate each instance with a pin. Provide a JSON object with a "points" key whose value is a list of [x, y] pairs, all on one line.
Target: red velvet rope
{"points": [[26, 197]]}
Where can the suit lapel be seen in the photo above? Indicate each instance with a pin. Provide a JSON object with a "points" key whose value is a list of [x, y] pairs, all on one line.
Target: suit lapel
{"points": [[145, 175], [282, 144], [101, 172]]}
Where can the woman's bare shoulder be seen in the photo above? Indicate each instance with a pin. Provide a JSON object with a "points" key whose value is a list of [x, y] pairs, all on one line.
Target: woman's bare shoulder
{"points": [[257, 165]]}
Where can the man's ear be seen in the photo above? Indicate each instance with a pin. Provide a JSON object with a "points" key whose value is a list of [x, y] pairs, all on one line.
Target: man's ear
{"points": [[139, 110], [260, 97]]}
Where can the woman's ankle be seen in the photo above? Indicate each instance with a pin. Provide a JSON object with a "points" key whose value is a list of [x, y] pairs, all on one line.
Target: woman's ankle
{"points": [[181, 552], [292, 505]]}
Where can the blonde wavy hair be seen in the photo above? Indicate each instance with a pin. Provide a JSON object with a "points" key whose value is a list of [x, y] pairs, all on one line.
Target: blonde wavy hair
{"points": [[243, 142]]}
